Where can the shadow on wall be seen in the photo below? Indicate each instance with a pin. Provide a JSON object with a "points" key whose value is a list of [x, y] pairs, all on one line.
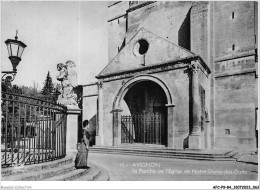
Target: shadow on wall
{"points": [[184, 33], [186, 142]]}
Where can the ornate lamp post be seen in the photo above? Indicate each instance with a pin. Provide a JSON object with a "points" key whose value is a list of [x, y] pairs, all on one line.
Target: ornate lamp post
{"points": [[15, 50]]}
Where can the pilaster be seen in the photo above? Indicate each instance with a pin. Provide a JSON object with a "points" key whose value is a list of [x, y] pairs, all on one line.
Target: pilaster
{"points": [[170, 112], [116, 126], [195, 141], [99, 130]]}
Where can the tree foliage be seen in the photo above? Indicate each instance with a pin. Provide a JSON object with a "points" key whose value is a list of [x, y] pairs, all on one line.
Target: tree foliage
{"points": [[7, 86], [48, 87]]}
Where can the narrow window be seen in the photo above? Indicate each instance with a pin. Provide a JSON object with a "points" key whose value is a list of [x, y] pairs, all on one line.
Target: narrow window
{"points": [[233, 15], [227, 131], [118, 21], [233, 47]]}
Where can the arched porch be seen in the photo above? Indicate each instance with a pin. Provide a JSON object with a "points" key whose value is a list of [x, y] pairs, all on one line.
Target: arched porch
{"points": [[149, 100]]}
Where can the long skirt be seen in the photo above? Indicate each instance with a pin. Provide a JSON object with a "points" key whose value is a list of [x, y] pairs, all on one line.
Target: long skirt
{"points": [[82, 157]]}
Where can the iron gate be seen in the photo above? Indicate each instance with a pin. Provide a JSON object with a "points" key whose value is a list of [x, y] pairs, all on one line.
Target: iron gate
{"points": [[143, 128], [32, 130]]}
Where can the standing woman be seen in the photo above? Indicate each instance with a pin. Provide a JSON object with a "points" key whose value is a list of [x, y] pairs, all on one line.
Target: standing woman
{"points": [[82, 155]]}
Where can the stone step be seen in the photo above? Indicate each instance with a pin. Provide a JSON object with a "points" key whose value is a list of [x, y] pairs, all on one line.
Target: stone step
{"points": [[69, 176], [232, 153], [41, 175], [160, 150], [104, 176], [139, 145], [97, 175], [92, 175], [22, 169], [170, 156], [164, 153], [62, 172]]}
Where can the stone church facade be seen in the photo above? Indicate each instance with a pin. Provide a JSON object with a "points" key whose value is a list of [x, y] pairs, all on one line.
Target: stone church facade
{"points": [[180, 75]]}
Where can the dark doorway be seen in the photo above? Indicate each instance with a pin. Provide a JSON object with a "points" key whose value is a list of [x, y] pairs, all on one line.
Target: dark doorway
{"points": [[148, 120]]}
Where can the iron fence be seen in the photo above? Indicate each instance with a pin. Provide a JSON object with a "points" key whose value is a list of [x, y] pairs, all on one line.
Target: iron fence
{"points": [[32, 130], [143, 128]]}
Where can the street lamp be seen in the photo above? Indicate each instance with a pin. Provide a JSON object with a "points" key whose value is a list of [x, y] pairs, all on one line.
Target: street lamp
{"points": [[15, 50]]}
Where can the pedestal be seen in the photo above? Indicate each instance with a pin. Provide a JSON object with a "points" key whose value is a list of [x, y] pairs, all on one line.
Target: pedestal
{"points": [[72, 130], [98, 140], [195, 142]]}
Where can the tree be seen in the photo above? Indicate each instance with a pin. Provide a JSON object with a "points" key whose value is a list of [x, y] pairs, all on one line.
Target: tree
{"points": [[6, 84], [8, 87], [16, 89], [48, 87]]}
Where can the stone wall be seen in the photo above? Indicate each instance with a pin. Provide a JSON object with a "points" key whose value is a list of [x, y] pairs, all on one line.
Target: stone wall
{"points": [[199, 29], [116, 27], [234, 70], [234, 25], [164, 18], [235, 112]]}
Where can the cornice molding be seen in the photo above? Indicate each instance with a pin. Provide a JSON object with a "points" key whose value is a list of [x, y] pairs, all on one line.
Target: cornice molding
{"points": [[170, 65]]}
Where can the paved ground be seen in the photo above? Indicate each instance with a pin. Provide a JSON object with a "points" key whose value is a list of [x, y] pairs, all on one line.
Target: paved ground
{"points": [[138, 168]]}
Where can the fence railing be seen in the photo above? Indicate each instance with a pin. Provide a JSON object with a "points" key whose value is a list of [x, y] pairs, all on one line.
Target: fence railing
{"points": [[32, 130], [143, 128]]}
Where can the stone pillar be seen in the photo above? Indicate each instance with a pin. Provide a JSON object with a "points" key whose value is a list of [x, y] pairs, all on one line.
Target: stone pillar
{"points": [[72, 129], [99, 134], [116, 126], [170, 131], [195, 138]]}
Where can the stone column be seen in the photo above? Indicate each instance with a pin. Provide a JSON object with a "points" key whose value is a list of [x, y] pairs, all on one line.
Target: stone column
{"points": [[72, 129], [170, 131], [99, 135], [116, 126], [195, 138]]}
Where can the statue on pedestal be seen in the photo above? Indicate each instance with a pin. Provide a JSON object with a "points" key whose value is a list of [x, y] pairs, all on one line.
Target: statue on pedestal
{"points": [[68, 79]]}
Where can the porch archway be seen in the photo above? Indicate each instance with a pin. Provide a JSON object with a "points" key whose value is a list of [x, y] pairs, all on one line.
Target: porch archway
{"points": [[154, 95], [124, 89]]}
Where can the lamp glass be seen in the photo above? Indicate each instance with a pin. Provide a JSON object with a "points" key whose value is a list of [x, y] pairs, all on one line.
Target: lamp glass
{"points": [[14, 48], [9, 49], [20, 51]]}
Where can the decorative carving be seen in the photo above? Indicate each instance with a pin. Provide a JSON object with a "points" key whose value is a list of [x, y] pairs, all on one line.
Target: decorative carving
{"points": [[68, 79], [100, 84], [194, 67]]}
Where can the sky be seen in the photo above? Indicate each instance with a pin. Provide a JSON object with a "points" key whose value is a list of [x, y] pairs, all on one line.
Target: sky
{"points": [[55, 32]]}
